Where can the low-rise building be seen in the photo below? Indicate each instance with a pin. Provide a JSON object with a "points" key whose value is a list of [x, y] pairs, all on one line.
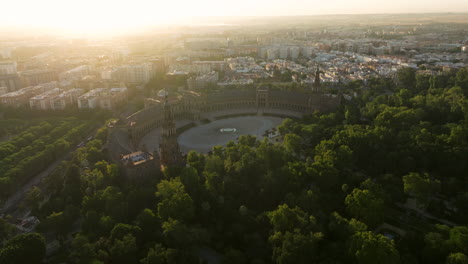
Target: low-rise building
{"points": [[236, 82], [74, 74], [11, 81], [140, 165], [43, 101], [134, 73], [8, 67], [199, 68], [214, 65], [200, 82], [104, 98], [3, 90], [66, 99], [21, 97], [36, 77]]}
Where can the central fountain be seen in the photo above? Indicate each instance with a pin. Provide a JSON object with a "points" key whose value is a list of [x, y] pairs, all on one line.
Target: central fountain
{"points": [[227, 130]]}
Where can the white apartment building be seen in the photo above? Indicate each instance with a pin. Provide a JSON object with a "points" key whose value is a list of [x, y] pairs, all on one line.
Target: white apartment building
{"points": [[65, 99], [5, 53], [307, 51], [191, 68], [283, 52], [135, 73], [21, 97], [7, 67], [42, 101], [3, 90], [107, 74], [102, 98], [214, 65], [272, 53], [74, 74], [199, 82], [294, 52]]}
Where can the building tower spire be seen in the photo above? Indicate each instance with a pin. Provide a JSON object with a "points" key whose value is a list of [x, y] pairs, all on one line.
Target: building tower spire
{"points": [[317, 85], [169, 147]]}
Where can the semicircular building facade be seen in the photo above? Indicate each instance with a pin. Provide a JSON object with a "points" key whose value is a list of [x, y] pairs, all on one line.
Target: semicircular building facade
{"points": [[195, 106]]}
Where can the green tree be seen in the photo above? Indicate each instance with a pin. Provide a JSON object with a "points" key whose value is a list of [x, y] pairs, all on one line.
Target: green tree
{"points": [[94, 155], [247, 140], [436, 245], [342, 228], [370, 248], [6, 230], [285, 218], [407, 77], [457, 258], [25, 248], [175, 202], [365, 206], [114, 203], [33, 197], [214, 183], [420, 186], [196, 160], [295, 247], [120, 230], [105, 225], [81, 250], [461, 79], [404, 96], [289, 126], [293, 143], [234, 256], [72, 186], [176, 234], [214, 164], [422, 82], [149, 224], [459, 238], [60, 223], [156, 255], [124, 250], [189, 177], [101, 134]]}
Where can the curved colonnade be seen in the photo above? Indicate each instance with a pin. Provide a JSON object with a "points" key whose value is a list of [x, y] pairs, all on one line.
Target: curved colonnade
{"points": [[195, 106]]}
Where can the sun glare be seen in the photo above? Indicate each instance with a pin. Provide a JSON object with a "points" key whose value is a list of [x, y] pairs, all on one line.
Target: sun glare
{"points": [[94, 16], [90, 16]]}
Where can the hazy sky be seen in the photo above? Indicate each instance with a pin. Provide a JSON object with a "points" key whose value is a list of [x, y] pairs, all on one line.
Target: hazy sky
{"points": [[106, 14]]}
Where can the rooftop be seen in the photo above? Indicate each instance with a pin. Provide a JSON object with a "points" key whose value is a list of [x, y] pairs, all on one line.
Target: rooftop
{"points": [[47, 94], [136, 158], [22, 91]]}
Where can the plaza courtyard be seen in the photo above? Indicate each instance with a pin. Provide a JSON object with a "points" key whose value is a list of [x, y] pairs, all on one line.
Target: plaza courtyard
{"points": [[204, 137]]}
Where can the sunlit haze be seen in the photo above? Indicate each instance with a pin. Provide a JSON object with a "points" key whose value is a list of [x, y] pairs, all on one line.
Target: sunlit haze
{"points": [[90, 15]]}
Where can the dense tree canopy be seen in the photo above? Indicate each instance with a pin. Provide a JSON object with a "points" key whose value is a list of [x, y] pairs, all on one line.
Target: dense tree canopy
{"points": [[370, 248], [334, 190], [26, 248]]}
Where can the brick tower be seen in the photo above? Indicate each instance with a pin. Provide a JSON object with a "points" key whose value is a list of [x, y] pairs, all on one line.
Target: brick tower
{"points": [[169, 147]]}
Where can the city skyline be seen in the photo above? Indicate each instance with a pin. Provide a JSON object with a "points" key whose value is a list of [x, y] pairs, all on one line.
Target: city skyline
{"points": [[106, 15]]}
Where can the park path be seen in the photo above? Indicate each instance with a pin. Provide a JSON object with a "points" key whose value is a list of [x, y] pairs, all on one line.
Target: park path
{"points": [[13, 202]]}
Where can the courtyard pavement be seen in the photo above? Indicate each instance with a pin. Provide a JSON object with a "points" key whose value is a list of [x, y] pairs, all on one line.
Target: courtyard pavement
{"points": [[203, 138]]}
